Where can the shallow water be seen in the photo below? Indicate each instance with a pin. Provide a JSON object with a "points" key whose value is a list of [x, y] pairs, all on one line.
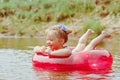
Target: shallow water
{"points": [[16, 55]]}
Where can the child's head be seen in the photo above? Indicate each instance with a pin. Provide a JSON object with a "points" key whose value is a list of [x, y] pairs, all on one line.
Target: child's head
{"points": [[57, 35]]}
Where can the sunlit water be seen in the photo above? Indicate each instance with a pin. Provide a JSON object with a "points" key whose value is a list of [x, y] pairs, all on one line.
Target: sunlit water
{"points": [[16, 55]]}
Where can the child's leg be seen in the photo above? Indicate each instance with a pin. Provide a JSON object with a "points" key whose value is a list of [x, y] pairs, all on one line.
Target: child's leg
{"points": [[96, 41], [82, 41]]}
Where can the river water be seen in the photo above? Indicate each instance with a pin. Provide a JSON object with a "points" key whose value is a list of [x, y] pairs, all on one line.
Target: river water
{"points": [[16, 55]]}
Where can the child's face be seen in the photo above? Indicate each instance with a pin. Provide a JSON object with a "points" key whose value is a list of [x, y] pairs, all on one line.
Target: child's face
{"points": [[54, 42]]}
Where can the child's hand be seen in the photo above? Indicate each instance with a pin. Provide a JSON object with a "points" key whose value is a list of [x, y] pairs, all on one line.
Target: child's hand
{"points": [[48, 50], [43, 48], [39, 49]]}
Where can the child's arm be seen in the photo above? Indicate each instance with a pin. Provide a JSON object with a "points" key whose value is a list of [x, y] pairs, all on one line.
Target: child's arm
{"points": [[61, 52]]}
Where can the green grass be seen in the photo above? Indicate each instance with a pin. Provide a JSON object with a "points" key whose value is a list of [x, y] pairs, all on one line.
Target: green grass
{"points": [[23, 14], [94, 25], [114, 8]]}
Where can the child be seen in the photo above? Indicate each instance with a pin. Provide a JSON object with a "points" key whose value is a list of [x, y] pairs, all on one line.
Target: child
{"points": [[57, 36]]}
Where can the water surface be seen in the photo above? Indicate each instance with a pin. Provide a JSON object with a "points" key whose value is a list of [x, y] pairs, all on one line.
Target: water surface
{"points": [[16, 55]]}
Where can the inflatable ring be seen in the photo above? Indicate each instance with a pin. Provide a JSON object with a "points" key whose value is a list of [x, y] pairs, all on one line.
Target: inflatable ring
{"points": [[86, 60]]}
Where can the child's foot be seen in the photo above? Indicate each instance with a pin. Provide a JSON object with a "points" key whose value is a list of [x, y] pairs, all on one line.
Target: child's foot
{"points": [[90, 31], [106, 34]]}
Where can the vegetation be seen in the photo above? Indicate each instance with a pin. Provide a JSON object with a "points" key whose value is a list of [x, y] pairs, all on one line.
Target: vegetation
{"points": [[29, 17]]}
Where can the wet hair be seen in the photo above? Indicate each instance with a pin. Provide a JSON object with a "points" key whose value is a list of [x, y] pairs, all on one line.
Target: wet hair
{"points": [[60, 31]]}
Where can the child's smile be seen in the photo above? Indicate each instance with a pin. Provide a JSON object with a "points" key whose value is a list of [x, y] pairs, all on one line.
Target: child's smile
{"points": [[53, 42]]}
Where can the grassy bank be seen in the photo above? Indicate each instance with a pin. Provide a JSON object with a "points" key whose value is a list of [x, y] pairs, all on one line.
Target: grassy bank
{"points": [[31, 17]]}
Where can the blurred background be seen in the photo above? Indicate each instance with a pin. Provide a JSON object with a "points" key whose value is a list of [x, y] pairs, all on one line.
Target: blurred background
{"points": [[31, 17], [22, 26]]}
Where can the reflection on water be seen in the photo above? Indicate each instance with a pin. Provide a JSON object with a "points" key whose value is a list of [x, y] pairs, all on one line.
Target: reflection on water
{"points": [[20, 43], [16, 55], [74, 75]]}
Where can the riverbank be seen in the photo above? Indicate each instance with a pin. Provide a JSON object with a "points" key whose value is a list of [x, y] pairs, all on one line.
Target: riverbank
{"points": [[30, 18], [112, 25]]}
